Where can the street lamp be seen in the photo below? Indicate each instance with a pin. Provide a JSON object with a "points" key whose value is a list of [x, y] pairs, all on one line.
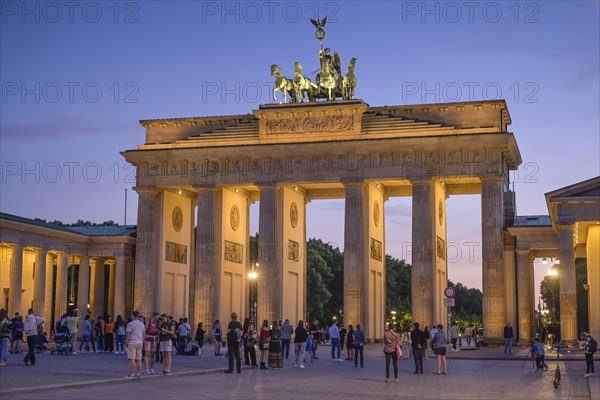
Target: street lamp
{"points": [[252, 275]]}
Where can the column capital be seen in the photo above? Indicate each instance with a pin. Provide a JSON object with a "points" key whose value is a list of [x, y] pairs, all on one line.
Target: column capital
{"points": [[353, 183], [492, 178], [146, 190], [421, 181], [206, 189]]}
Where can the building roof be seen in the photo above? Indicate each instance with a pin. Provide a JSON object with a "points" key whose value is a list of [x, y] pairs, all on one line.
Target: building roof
{"points": [[532, 220], [101, 230]]}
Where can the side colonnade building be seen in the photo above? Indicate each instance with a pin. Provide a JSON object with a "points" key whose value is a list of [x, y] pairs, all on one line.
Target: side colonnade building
{"points": [[54, 269]]}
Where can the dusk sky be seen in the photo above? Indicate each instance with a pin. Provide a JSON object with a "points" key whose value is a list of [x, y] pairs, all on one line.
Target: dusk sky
{"points": [[78, 76]]}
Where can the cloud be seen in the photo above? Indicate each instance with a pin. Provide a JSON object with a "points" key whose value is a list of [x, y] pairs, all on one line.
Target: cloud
{"points": [[58, 127]]}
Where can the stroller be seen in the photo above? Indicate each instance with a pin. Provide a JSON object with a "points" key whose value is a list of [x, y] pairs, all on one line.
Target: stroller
{"points": [[62, 339]]}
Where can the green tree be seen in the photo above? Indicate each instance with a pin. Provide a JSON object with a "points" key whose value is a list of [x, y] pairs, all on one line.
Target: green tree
{"points": [[550, 289], [397, 287], [318, 277]]}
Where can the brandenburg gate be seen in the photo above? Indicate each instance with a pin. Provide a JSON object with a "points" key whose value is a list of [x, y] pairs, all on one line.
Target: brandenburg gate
{"points": [[209, 170]]}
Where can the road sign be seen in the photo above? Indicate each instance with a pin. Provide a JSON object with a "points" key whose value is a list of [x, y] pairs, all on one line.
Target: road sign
{"points": [[449, 302], [449, 292]]}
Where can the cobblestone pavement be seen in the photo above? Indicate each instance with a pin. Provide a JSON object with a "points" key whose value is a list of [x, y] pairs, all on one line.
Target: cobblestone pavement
{"points": [[100, 376]]}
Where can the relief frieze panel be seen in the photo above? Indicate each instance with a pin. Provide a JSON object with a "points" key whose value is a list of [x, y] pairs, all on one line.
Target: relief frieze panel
{"points": [[310, 125]]}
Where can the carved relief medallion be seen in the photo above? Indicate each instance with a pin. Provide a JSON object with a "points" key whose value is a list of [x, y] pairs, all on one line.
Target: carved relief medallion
{"points": [[177, 219], [376, 213], [441, 212], [234, 217], [294, 215]]}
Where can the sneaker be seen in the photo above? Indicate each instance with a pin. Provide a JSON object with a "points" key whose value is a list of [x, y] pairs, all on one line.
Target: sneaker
{"points": [[122, 352], [75, 353], [296, 365], [146, 372], [152, 372], [116, 352], [138, 376], [167, 373], [387, 380], [396, 380], [340, 360], [2, 363], [302, 366], [129, 376]]}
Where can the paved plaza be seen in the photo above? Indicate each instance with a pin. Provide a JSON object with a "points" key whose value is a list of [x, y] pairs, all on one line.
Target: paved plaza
{"points": [[480, 374]]}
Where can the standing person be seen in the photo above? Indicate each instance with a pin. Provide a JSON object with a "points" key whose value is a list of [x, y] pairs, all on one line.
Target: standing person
{"points": [[300, 336], [167, 331], [200, 332], [417, 338], [316, 332], [5, 331], [590, 346], [453, 335], [100, 335], [537, 348], [390, 343], [286, 337], [17, 334], [343, 333], [86, 334], [508, 337], [439, 348], [120, 330], [184, 332], [469, 333], [275, 351], [350, 343], [109, 328], [12, 321], [134, 339], [249, 339], [334, 337], [407, 346], [359, 344], [72, 321], [234, 334], [427, 339], [150, 343], [31, 330], [217, 336], [263, 343]]}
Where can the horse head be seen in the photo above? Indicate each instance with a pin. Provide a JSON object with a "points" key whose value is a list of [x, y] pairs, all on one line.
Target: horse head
{"points": [[275, 70], [298, 67]]}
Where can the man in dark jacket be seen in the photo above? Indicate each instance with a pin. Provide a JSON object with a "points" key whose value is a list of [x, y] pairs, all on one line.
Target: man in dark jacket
{"points": [[234, 335], [508, 337], [418, 340]]}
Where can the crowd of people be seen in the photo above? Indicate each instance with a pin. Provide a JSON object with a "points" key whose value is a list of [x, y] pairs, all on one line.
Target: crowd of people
{"points": [[154, 339]]}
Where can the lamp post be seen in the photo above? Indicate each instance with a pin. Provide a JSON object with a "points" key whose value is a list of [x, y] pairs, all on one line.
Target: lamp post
{"points": [[252, 275]]}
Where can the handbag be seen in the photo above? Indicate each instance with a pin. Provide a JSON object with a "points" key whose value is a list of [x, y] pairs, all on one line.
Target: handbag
{"points": [[398, 350]]}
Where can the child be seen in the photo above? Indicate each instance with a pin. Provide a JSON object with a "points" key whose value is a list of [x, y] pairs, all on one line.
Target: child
{"points": [[310, 348], [538, 348]]}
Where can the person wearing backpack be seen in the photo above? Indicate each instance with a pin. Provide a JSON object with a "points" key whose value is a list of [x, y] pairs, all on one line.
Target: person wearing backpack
{"points": [[439, 348], [537, 348], [5, 332], [120, 330], [590, 346]]}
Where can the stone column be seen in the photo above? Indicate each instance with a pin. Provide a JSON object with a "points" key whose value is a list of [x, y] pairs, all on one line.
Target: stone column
{"points": [[147, 245], [16, 280], [48, 306], [83, 286], [355, 254], [423, 252], [208, 251], [119, 289], [492, 223], [268, 296], [97, 298], [525, 296], [39, 284], [62, 271], [567, 285], [593, 278], [111, 288]]}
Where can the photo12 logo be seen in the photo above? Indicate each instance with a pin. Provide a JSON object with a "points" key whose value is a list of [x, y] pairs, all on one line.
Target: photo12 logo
{"points": [[53, 12], [453, 12], [449, 92], [68, 92], [253, 12]]}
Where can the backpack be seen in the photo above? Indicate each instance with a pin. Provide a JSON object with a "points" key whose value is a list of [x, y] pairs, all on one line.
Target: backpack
{"points": [[593, 347], [121, 330]]}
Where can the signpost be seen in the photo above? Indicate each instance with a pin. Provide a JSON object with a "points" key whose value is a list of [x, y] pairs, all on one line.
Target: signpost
{"points": [[449, 302]]}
